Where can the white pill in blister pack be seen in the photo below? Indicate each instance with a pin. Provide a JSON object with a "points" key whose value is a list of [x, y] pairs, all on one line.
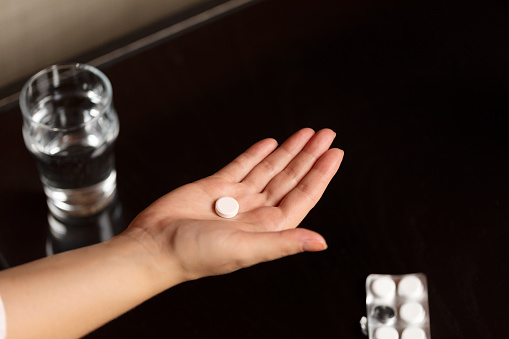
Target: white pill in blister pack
{"points": [[386, 332], [412, 312], [227, 207], [384, 287], [410, 287], [397, 307], [413, 333]]}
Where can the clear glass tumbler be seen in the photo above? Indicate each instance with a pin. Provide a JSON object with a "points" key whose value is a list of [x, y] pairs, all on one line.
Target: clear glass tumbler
{"points": [[70, 126]]}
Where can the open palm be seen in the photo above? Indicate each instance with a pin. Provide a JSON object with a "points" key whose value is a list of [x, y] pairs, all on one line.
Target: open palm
{"points": [[275, 188]]}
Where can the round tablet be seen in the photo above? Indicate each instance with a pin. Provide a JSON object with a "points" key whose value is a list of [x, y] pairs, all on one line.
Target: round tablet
{"points": [[413, 333], [227, 207], [412, 312], [410, 287], [384, 287], [386, 332]]}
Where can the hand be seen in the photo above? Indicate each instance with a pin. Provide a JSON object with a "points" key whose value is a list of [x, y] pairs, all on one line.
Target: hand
{"points": [[275, 188]]}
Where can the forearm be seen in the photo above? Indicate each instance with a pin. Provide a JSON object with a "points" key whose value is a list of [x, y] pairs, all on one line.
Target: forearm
{"points": [[73, 293], [179, 237]]}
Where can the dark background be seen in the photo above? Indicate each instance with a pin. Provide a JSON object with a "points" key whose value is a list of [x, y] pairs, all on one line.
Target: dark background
{"points": [[418, 95]]}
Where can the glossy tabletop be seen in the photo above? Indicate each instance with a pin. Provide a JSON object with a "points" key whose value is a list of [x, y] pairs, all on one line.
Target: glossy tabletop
{"points": [[418, 96]]}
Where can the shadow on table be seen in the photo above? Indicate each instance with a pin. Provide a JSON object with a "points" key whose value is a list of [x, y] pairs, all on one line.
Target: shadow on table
{"points": [[70, 233], [3, 262]]}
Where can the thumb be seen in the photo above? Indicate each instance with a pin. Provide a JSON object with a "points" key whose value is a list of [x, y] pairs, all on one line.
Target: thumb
{"points": [[266, 246]]}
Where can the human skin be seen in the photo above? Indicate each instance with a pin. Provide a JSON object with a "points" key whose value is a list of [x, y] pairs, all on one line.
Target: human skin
{"points": [[179, 238]]}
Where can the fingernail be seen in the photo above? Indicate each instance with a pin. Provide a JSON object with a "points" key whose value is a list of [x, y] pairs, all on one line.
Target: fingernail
{"points": [[314, 245]]}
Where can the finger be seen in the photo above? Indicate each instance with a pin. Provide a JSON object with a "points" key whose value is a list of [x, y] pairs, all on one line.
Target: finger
{"points": [[260, 247], [277, 161], [297, 204], [244, 163], [290, 177]]}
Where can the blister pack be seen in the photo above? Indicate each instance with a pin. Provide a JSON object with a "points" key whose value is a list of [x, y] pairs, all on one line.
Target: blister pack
{"points": [[397, 307]]}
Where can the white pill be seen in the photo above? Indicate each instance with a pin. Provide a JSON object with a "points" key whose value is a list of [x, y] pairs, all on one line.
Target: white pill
{"points": [[386, 332], [412, 312], [413, 333], [410, 287], [227, 207], [384, 287]]}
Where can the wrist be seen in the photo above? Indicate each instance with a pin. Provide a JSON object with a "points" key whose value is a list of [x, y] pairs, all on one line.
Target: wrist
{"points": [[148, 258]]}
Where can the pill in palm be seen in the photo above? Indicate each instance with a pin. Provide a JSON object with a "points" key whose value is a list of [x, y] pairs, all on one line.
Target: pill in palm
{"points": [[227, 207]]}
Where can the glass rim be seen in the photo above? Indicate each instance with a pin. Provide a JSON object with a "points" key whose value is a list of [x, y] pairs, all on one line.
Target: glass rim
{"points": [[75, 65]]}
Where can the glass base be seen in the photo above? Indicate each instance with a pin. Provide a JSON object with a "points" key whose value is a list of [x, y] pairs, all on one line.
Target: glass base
{"points": [[81, 202]]}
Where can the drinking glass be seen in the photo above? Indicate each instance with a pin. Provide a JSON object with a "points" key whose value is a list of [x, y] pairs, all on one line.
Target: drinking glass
{"points": [[70, 126]]}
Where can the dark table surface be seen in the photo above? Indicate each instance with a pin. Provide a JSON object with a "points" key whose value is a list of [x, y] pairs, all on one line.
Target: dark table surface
{"points": [[418, 95]]}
